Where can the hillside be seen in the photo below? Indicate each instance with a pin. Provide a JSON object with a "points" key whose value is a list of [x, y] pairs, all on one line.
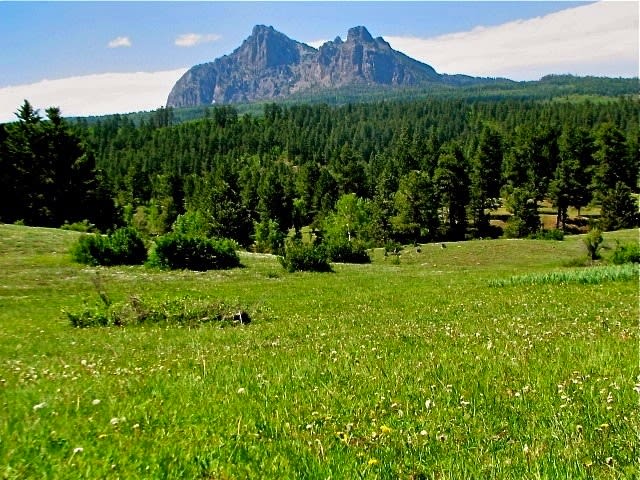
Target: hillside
{"points": [[423, 369]]}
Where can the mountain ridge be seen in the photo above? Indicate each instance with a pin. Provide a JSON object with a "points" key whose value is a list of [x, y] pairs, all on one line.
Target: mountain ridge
{"points": [[269, 65]]}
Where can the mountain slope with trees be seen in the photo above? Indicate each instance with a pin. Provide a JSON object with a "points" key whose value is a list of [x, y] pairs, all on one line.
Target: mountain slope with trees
{"points": [[418, 171]]}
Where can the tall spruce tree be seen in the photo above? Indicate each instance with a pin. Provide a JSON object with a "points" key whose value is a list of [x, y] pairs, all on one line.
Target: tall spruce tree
{"points": [[486, 177]]}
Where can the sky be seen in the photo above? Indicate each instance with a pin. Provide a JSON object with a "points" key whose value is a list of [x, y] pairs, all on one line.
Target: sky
{"points": [[94, 58]]}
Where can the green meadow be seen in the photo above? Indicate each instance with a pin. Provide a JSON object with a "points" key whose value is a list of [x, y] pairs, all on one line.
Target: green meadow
{"points": [[456, 362]]}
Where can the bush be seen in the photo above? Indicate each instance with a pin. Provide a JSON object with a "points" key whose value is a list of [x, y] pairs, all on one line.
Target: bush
{"points": [[123, 247], [626, 254], [84, 226], [268, 237], [517, 227], [127, 247], [137, 311], [347, 252], [392, 247], [553, 234], [299, 256], [192, 224], [592, 241], [175, 251], [90, 249]]}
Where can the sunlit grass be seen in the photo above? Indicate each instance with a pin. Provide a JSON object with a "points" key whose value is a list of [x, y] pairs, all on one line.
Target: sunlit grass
{"points": [[589, 276], [414, 370]]}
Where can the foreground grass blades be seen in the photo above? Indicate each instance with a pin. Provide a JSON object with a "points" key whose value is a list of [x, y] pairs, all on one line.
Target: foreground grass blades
{"points": [[418, 369]]}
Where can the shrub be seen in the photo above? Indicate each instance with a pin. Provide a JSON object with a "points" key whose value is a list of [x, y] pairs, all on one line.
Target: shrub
{"points": [[137, 311], [629, 253], [192, 224], [517, 227], [123, 247], [592, 241], [299, 256], [90, 249], [268, 237], [127, 247], [347, 252], [84, 226], [175, 251], [553, 234], [392, 247], [90, 316]]}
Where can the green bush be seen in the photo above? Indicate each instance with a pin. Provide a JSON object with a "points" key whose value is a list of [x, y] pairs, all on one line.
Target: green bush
{"points": [[347, 252], [176, 251], [268, 237], [90, 249], [299, 256], [592, 242], [629, 253], [137, 311], [553, 234], [192, 224], [127, 247], [84, 226], [517, 227], [392, 247], [122, 247]]}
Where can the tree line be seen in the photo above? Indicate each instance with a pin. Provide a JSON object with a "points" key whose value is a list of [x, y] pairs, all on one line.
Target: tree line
{"points": [[389, 170]]}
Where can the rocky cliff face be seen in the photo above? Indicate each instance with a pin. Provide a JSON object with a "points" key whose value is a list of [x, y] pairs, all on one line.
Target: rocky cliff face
{"points": [[270, 65]]}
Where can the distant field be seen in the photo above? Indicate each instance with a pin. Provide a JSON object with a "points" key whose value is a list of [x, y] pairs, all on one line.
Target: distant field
{"points": [[422, 369]]}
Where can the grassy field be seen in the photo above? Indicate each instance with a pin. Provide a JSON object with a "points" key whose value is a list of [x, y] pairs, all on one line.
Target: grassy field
{"points": [[424, 369]]}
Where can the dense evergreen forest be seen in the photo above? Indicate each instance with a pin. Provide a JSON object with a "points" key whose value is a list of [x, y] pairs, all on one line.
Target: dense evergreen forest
{"points": [[407, 171]]}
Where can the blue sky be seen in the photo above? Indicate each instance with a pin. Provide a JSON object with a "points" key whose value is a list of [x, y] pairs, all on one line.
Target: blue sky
{"points": [[56, 40], [59, 41]]}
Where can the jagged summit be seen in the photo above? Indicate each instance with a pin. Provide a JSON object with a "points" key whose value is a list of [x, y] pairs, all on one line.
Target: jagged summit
{"points": [[359, 34], [267, 48], [269, 65], [262, 29]]}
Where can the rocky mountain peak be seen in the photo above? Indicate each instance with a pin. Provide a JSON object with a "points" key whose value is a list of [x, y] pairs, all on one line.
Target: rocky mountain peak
{"points": [[262, 30], [266, 48], [270, 65], [359, 35]]}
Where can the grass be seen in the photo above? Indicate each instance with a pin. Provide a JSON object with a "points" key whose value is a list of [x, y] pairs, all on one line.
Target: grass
{"points": [[410, 370], [591, 276]]}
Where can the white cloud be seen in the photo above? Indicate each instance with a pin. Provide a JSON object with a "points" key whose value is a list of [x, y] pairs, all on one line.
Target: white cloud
{"points": [[193, 39], [92, 94], [316, 43], [595, 39], [119, 42]]}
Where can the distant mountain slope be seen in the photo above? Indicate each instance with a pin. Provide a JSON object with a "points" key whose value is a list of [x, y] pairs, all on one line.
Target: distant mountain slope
{"points": [[270, 65]]}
